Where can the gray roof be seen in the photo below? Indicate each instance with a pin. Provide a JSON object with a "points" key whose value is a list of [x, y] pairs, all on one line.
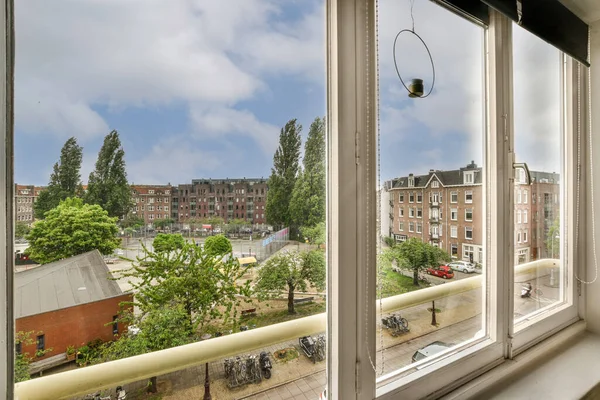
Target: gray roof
{"points": [[66, 283], [446, 178]]}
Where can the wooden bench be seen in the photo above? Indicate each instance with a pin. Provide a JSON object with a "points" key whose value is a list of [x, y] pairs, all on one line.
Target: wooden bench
{"points": [[250, 311], [303, 300]]}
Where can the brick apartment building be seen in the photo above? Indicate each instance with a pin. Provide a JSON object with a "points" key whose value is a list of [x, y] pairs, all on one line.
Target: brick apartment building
{"points": [[25, 196], [152, 202], [226, 198], [445, 208]]}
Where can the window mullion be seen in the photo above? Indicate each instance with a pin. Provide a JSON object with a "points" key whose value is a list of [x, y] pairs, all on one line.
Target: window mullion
{"points": [[500, 175], [352, 236]]}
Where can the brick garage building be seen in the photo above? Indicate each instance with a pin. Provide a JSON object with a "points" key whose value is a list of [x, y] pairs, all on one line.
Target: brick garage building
{"points": [[67, 302]]}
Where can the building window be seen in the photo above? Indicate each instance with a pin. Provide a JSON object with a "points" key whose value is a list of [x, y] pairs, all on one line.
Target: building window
{"points": [[468, 214], [419, 212], [469, 178], [401, 211], [468, 196], [468, 233], [524, 216], [419, 197], [454, 214], [454, 249], [524, 236], [435, 184], [411, 212], [41, 342], [454, 231], [411, 226], [150, 191], [453, 197], [519, 237], [411, 197], [400, 226], [419, 227], [519, 196], [401, 197], [525, 196], [18, 348], [518, 216], [115, 324]]}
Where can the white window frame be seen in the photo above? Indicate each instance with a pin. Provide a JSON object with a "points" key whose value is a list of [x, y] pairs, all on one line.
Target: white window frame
{"points": [[350, 375], [454, 214], [401, 211], [468, 211], [401, 226], [525, 216], [518, 216], [411, 226], [525, 196], [454, 194], [468, 193], [411, 212], [454, 231], [419, 227], [435, 184], [468, 229]]}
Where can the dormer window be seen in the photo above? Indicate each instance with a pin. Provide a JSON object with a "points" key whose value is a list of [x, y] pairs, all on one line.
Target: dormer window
{"points": [[411, 181], [435, 184], [469, 178]]}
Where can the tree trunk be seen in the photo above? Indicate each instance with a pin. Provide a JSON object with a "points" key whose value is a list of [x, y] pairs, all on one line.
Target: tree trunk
{"points": [[152, 386], [416, 276], [188, 308], [291, 300]]}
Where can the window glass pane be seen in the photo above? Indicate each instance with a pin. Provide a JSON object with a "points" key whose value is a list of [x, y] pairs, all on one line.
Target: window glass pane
{"points": [[430, 151], [539, 259], [211, 186]]}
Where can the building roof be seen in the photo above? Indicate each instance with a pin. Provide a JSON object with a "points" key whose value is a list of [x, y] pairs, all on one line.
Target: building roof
{"points": [[144, 189], [446, 178], [66, 283]]}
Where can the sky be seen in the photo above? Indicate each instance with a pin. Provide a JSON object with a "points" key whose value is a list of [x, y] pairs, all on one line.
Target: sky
{"points": [[201, 88]]}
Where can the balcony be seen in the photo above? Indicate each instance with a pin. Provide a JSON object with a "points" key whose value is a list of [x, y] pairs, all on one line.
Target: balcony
{"points": [[434, 219], [434, 236], [434, 204], [108, 375]]}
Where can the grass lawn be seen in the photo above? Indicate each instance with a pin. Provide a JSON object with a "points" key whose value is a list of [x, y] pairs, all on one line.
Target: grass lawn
{"points": [[394, 283], [276, 316]]}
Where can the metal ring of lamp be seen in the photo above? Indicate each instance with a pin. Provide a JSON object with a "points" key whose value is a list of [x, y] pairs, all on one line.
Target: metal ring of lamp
{"points": [[416, 83]]}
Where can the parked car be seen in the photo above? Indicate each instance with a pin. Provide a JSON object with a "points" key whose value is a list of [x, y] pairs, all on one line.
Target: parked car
{"points": [[463, 266], [323, 395], [429, 350], [443, 271]]}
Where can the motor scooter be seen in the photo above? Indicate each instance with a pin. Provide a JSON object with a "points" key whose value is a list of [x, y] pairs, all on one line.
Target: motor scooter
{"points": [[265, 364], [525, 291]]}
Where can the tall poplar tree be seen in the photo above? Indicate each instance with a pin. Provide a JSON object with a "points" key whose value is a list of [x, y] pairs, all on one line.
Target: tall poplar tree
{"points": [[107, 184], [65, 180], [307, 206], [284, 173]]}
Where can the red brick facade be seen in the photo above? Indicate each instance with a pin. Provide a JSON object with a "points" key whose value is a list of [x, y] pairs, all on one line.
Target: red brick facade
{"points": [[73, 326]]}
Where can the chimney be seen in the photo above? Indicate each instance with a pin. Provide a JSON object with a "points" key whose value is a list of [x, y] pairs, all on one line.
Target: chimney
{"points": [[431, 171]]}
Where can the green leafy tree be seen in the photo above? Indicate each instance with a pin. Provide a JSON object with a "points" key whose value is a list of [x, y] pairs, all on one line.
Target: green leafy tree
{"points": [[235, 225], [284, 174], [65, 180], [132, 221], [314, 234], [70, 229], [168, 242], [307, 206], [288, 272], [215, 222], [217, 245], [205, 285], [552, 241], [21, 229], [163, 223], [415, 255], [107, 184]]}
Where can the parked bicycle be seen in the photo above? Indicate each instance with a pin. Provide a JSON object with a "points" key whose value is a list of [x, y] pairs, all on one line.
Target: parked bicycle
{"points": [[396, 324]]}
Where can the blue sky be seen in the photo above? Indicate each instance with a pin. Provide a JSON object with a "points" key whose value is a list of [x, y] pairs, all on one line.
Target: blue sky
{"points": [[201, 88]]}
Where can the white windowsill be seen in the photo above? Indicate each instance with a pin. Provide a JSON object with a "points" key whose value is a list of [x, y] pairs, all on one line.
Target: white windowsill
{"points": [[564, 366]]}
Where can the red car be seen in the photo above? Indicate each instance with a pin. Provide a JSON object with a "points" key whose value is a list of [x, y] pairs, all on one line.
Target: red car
{"points": [[443, 271]]}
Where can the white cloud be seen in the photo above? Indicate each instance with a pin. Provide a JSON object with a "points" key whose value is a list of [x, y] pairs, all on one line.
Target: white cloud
{"points": [[73, 55], [213, 122], [172, 160]]}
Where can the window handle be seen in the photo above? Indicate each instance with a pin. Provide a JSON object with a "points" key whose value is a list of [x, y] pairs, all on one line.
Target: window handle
{"points": [[525, 168]]}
